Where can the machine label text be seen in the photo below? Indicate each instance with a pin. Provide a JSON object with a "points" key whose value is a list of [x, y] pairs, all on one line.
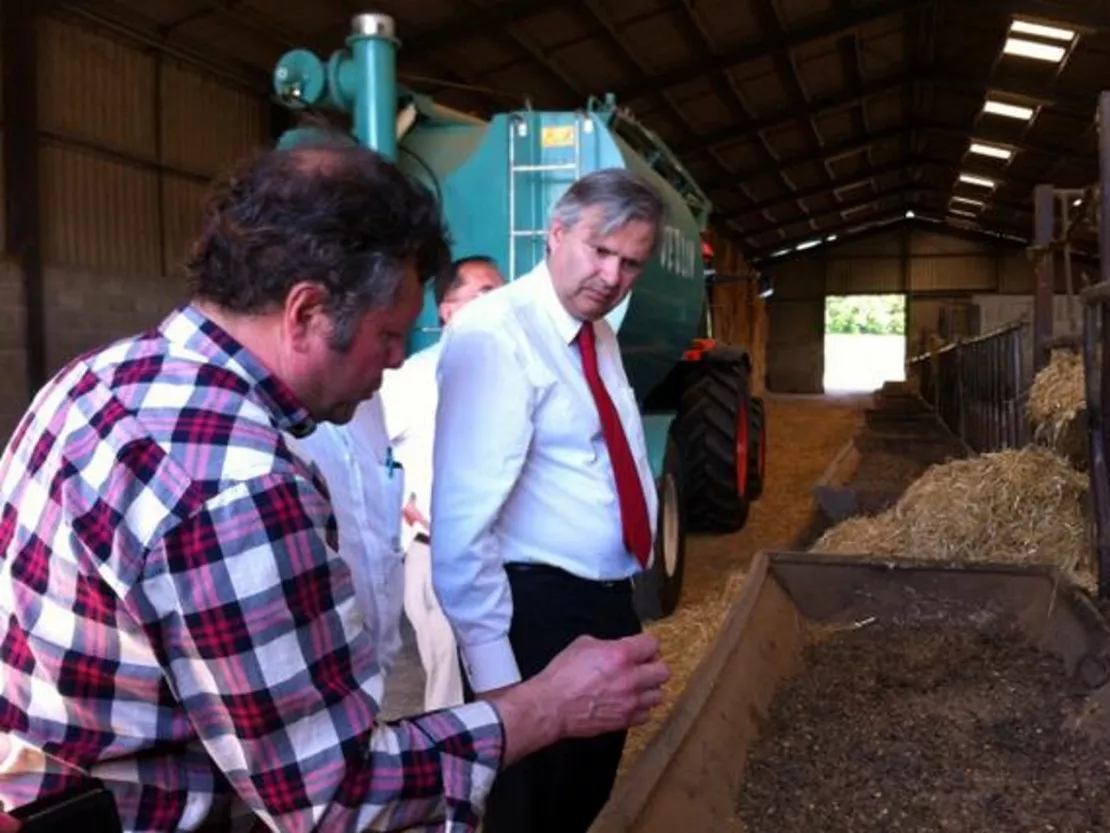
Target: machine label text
{"points": [[679, 254]]}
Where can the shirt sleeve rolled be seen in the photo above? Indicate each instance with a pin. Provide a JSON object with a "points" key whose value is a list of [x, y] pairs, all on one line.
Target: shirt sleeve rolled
{"points": [[253, 615]]}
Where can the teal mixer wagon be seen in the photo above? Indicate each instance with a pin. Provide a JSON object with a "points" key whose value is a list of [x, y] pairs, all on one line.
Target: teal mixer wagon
{"points": [[496, 181]]}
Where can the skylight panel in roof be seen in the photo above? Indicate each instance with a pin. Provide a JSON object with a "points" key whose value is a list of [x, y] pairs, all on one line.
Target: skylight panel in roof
{"points": [[972, 179], [992, 151], [1040, 30], [1012, 111], [1034, 49]]}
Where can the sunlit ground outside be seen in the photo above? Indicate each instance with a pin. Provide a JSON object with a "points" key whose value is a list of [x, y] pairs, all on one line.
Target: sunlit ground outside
{"points": [[863, 362]]}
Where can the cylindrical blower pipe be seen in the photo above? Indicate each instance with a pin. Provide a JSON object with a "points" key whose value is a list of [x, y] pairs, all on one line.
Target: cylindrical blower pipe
{"points": [[374, 47]]}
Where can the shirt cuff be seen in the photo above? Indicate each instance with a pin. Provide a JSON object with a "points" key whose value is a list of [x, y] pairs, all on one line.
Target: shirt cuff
{"points": [[490, 665], [471, 740]]}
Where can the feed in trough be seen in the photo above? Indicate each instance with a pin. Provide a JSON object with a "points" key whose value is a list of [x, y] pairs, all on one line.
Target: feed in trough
{"points": [[927, 728]]}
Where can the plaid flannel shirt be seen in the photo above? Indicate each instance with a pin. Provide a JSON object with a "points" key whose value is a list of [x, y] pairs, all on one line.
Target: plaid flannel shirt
{"points": [[176, 622]]}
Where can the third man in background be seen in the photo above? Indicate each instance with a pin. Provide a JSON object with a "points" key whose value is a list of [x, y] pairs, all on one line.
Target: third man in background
{"points": [[409, 396], [365, 487], [544, 501]]}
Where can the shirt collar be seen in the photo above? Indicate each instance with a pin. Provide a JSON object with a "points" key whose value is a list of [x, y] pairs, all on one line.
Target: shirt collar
{"points": [[565, 324], [192, 329]]}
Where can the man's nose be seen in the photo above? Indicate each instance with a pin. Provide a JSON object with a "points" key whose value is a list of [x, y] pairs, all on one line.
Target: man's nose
{"points": [[611, 270], [395, 357]]}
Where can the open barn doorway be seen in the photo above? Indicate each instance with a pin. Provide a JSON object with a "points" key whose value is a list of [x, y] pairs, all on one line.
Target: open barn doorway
{"points": [[865, 342]]}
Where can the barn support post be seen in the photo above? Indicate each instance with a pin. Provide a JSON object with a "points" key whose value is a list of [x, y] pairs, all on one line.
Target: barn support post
{"points": [[1044, 204]]}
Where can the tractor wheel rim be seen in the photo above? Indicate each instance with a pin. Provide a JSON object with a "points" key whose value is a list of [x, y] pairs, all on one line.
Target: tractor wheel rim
{"points": [[743, 447], [762, 450], [670, 533]]}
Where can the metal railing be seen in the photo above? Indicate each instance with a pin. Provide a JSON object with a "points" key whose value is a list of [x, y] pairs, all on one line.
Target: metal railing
{"points": [[979, 387], [1096, 358]]}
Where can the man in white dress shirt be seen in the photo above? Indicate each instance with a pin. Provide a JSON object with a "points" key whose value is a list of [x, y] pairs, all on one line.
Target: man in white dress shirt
{"points": [[409, 396], [543, 503]]}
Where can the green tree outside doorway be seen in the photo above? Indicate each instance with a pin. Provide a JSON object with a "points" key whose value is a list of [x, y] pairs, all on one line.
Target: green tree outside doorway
{"points": [[865, 341], [875, 315]]}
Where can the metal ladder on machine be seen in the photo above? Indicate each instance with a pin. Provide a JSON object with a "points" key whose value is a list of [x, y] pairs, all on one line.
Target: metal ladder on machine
{"points": [[519, 128]]}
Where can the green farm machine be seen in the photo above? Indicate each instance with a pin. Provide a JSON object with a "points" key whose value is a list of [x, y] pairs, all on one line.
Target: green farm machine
{"points": [[497, 181]]}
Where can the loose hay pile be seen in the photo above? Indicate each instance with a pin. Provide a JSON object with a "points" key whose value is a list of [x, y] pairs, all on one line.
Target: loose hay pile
{"points": [[1058, 392], [1058, 405], [864, 535], [1026, 506], [685, 636]]}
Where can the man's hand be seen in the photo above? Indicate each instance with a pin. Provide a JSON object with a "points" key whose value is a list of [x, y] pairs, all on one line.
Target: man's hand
{"points": [[9, 824], [413, 517], [593, 687], [604, 686]]}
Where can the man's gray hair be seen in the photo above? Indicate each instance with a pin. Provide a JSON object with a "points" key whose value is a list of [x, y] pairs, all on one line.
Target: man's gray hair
{"points": [[622, 196]]}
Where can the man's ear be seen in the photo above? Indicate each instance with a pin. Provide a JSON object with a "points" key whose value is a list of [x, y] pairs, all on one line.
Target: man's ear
{"points": [[446, 310], [556, 234], [305, 314]]}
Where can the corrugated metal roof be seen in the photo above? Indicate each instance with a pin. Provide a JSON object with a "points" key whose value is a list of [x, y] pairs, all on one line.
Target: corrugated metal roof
{"points": [[813, 75]]}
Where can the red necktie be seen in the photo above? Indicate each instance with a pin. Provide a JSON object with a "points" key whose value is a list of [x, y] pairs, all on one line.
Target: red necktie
{"points": [[634, 513]]}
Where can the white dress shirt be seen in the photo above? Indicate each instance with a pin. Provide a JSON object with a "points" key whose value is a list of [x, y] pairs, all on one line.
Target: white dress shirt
{"points": [[522, 472], [366, 492], [409, 395]]}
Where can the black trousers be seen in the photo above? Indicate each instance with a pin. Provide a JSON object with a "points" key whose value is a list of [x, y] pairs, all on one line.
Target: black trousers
{"points": [[562, 788]]}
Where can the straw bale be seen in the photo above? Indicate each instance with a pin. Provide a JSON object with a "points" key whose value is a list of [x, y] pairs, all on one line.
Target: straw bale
{"points": [[865, 535], [1015, 506]]}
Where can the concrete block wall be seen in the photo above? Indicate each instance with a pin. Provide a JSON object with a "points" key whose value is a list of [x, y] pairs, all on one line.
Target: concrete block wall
{"points": [[120, 184], [84, 310]]}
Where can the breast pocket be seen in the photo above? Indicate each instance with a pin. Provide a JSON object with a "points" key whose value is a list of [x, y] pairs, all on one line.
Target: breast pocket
{"points": [[392, 490]]}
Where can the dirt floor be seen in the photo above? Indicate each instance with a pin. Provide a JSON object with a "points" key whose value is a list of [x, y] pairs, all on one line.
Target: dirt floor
{"points": [[927, 730], [804, 434]]}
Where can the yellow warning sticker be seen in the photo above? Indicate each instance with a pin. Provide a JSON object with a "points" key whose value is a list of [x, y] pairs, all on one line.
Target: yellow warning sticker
{"points": [[558, 136]]}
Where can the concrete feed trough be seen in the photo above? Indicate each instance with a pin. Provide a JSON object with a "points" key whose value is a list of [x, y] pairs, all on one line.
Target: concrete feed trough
{"points": [[692, 776]]}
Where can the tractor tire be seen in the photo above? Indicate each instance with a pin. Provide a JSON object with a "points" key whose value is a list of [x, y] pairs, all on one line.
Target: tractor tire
{"points": [[713, 428], [657, 590], [757, 469]]}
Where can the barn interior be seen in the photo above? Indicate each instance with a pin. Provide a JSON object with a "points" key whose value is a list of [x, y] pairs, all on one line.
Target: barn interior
{"points": [[939, 163]]}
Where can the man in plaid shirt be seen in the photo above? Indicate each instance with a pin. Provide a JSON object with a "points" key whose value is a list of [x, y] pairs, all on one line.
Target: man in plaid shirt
{"points": [[176, 621]]}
